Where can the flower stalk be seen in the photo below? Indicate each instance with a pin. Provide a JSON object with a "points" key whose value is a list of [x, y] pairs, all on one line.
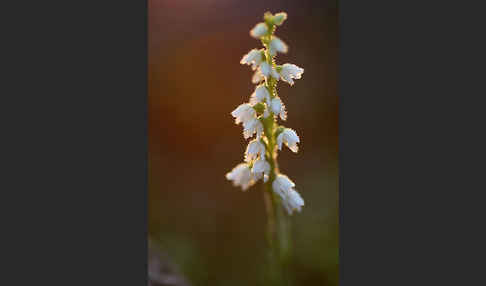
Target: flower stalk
{"points": [[259, 117]]}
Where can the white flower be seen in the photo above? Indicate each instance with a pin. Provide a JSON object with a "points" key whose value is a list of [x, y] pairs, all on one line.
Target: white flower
{"points": [[290, 71], [254, 148], [293, 202], [278, 108], [268, 70], [251, 127], [253, 58], [290, 138], [276, 105], [277, 45], [259, 30], [243, 113], [257, 77], [241, 176], [260, 94], [284, 187], [261, 168]]}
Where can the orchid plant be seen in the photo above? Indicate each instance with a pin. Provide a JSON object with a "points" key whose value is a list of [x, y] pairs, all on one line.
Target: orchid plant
{"points": [[259, 118]]}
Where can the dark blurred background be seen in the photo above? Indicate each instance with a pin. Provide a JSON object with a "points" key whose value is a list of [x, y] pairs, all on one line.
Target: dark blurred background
{"points": [[211, 231]]}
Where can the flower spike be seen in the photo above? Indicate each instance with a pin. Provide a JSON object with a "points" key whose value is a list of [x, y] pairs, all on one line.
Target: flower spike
{"points": [[260, 115]]}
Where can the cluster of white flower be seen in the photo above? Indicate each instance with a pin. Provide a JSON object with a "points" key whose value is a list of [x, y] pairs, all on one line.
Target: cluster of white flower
{"points": [[260, 114]]}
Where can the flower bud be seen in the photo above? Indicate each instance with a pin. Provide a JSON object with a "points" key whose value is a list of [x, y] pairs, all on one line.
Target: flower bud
{"points": [[259, 30], [268, 17], [259, 107], [279, 18]]}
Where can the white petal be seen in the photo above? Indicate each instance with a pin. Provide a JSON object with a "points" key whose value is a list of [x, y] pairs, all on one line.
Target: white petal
{"points": [[279, 18], [251, 126], [253, 58], [280, 141], [294, 148], [262, 94], [259, 129], [243, 112], [254, 148], [290, 138], [265, 69], [241, 176], [253, 99], [290, 72], [293, 202], [291, 135], [277, 45], [277, 188], [283, 113], [268, 70], [257, 77], [261, 166], [286, 181], [249, 57], [274, 74], [282, 185], [276, 105]]}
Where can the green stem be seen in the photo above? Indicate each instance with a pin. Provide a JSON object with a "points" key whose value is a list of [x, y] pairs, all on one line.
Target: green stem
{"points": [[278, 232]]}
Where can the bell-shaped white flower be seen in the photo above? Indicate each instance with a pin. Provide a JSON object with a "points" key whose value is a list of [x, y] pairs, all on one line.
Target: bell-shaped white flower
{"points": [[278, 108], [290, 138], [260, 94], [261, 168], [253, 58], [241, 176], [257, 77], [268, 70], [277, 45], [284, 187], [243, 113], [293, 202], [290, 71], [254, 149], [259, 30], [251, 127]]}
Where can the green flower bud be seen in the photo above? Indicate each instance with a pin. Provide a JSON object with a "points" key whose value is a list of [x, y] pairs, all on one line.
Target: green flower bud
{"points": [[259, 107], [267, 16]]}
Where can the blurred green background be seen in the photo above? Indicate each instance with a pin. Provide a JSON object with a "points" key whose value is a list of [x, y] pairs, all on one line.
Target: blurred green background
{"points": [[211, 230]]}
